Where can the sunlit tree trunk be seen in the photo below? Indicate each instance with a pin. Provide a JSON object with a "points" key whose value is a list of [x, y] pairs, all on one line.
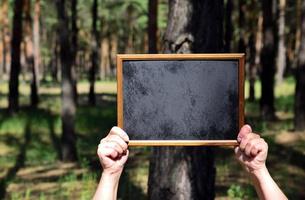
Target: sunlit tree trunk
{"points": [[268, 62], [6, 37], [13, 97], [1, 43], [29, 53], [152, 25], [94, 52], [281, 54], [178, 173], [36, 41], [105, 58], [299, 120], [68, 107]]}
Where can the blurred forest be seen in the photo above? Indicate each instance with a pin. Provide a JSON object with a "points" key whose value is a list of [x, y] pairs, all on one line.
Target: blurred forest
{"points": [[58, 91]]}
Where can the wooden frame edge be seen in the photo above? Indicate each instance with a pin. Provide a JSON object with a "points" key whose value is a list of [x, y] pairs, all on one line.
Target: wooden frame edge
{"points": [[241, 89], [136, 143], [120, 92], [220, 56]]}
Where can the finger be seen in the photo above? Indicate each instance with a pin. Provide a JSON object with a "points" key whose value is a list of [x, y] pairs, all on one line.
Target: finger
{"points": [[124, 158], [246, 129], [246, 139], [118, 131], [119, 141], [115, 145], [104, 151], [262, 146], [251, 147]]}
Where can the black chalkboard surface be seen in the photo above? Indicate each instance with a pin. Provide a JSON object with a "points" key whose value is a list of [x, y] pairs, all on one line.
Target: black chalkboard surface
{"points": [[181, 99]]}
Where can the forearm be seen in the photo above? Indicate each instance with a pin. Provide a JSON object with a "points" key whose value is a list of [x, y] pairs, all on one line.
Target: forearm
{"points": [[265, 186], [107, 187]]}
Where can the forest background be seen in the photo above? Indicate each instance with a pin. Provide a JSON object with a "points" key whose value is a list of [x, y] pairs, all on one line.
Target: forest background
{"points": [[58, 92]]}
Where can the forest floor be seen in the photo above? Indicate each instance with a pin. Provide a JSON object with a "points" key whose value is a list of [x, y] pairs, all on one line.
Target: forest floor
{"points": [[29, 148]]}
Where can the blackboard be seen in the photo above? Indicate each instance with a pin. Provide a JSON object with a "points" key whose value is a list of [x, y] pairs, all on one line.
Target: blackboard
{"points": [[181, 99]]}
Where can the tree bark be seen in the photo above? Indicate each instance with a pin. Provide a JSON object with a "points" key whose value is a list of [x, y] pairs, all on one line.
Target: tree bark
{"points": [[268, 62], [241, 24], [13, 97], [252, 68], [187, 172], [94, 52], [281, 53], [67, 98], [29, 53], [36, 47], [228, 26], [6, 37], [74, 47], [299, 119], [152, 25]]}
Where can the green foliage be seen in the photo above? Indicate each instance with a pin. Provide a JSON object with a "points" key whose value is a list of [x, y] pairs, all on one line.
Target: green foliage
{"points": [[238, 193]]}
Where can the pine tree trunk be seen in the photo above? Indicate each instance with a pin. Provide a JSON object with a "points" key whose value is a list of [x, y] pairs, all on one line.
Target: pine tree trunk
{"points": [[6, 37], [1, 42], [299, 119], [74, 47], [241, 24], [252, 68], [13, 97], [268, 62], [187, 172], [228, 26], [36, 53], [67, 98], [152, 25], [29, 53], [281, 54], [94, 53]]}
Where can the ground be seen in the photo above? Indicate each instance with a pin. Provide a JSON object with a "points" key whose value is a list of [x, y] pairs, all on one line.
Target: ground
{"points": [[29, 148]]}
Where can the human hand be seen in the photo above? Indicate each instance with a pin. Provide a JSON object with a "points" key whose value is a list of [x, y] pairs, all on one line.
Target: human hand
{"points": [[113, 151], [252, 150]]}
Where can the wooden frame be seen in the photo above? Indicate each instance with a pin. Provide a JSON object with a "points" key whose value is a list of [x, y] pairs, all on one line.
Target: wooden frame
{"points": [[229, 56]]}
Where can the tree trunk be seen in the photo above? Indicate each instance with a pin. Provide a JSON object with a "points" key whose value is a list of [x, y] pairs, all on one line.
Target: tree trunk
{"points": [[67, 98], [105, 58], [241, 23], [13, 97], [152, 25], [252, 68], [298, 28], [29, 53], [268, 62], [1, 41], [228, 26], [74, 46], [281, 54], [187, 172], [94, 53], [6, 37], [36, 46], [299, 119]]}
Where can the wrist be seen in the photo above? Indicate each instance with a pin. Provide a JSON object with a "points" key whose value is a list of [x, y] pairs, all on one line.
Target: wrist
{"points": [[260, 173], [110, 176]]}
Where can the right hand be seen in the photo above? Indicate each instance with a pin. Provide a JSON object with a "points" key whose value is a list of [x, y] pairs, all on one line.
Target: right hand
{"points": [[252, 150], [113, 151]]}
